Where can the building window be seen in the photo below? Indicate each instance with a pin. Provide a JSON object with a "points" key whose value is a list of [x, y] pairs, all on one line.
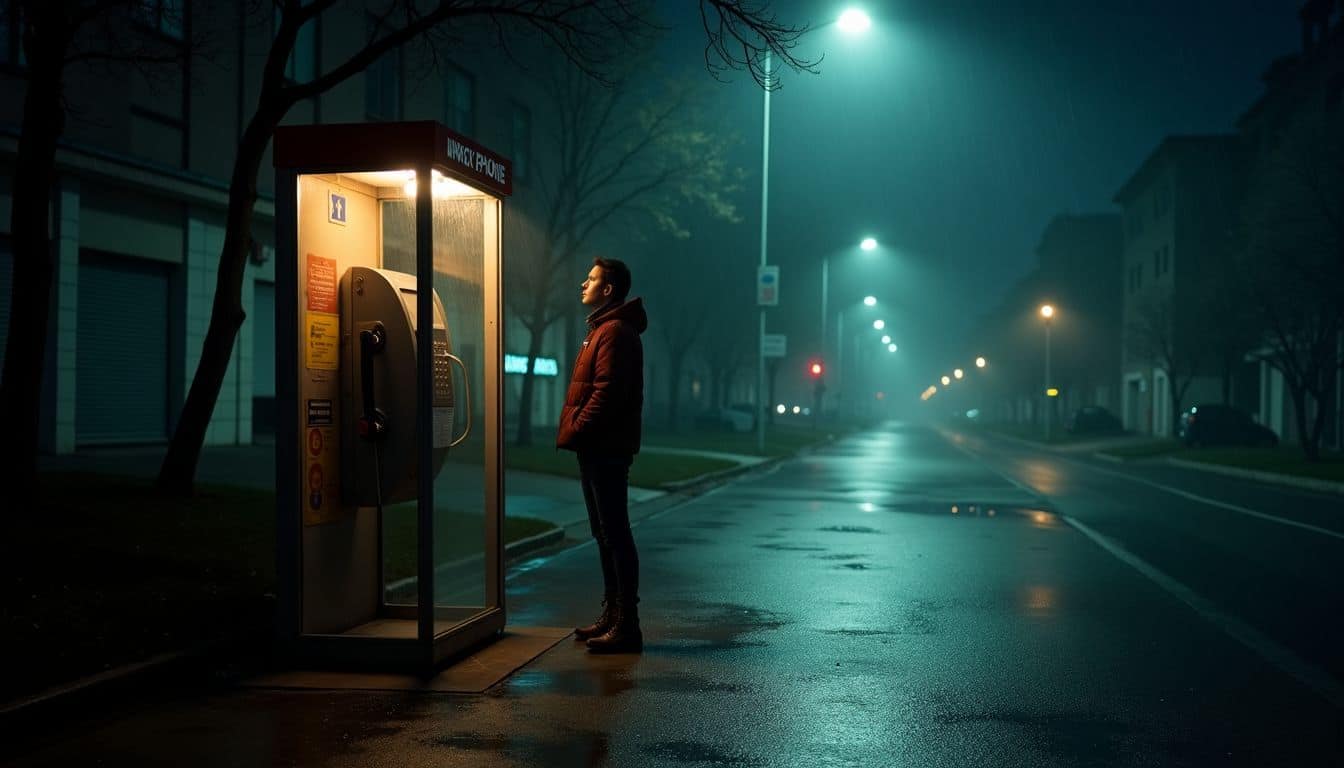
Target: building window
{"points": [[302, 64], [382, 83], [1135, 223], [459, 101], [167, 17], [11, 34], [520, 148], [1161, 199]]}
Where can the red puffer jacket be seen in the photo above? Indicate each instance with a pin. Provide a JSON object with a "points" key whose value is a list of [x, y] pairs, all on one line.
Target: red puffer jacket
{"points": [[603, 406]]}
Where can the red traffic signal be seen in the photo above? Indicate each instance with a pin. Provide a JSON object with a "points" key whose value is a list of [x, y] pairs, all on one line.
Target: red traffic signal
{"points": [[815, 369]]}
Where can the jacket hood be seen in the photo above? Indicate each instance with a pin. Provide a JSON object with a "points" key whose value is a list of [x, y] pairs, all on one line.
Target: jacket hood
{"points": [[631, 311]]}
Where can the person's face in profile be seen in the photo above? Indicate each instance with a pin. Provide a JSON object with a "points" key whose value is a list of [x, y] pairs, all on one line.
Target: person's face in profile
{"points": [[596, 289]]}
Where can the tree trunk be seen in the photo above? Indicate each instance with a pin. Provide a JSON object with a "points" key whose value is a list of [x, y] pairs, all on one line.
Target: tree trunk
{"points": [[34, 254], [524, 436], [178, 472], [674, 361], [1299, 396]]}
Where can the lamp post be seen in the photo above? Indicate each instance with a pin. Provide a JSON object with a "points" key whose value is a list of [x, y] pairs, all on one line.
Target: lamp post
{"points": [[867, 244], [852, 21], [1047, 312]]}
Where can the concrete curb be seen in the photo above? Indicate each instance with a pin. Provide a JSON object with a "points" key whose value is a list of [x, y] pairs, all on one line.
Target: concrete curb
{"points": [[1305, 483]]}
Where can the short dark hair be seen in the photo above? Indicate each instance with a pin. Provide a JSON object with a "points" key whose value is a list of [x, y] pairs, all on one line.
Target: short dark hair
{"points": [[615, 272]]}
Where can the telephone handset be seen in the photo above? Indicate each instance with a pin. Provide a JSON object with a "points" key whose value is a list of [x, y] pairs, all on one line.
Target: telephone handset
{"points": [[378, 392]]}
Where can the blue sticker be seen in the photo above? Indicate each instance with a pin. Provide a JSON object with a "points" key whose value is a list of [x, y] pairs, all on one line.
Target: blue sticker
{"points": [[336, 214]]}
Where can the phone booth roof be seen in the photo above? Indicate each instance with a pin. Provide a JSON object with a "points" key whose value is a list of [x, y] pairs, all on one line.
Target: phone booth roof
{"points": [[340, 147]]}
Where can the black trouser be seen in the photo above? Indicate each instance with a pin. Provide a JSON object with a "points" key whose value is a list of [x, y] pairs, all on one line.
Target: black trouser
{"points": [[605, 481]]}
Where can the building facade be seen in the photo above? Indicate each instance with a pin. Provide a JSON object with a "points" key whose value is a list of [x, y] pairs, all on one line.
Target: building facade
{"points": [[142, 189]]}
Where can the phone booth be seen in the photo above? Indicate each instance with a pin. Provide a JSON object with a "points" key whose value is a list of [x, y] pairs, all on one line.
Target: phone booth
{"points": [[388, 394]]}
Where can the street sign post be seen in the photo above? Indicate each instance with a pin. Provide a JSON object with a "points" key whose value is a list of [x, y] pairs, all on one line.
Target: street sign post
{"points": [[767, 286], [774, 345]]}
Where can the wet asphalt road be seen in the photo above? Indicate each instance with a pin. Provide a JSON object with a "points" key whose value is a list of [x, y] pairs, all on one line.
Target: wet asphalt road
{"points": [[894, 599]]}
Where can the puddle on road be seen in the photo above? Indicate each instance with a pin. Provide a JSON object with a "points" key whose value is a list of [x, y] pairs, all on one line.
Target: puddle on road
{"points": [[849, 529], [699, 752], [604, 680], [1039, 517]]}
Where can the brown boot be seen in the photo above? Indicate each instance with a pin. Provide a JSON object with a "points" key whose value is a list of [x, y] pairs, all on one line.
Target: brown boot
{"points": [[602, 624], [624, 635]]}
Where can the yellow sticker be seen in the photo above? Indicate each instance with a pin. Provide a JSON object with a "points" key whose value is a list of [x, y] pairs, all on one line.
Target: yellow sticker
{"points": [[324, 339]]}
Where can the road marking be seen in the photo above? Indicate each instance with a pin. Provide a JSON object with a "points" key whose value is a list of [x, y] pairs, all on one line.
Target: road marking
{"points": [[1184, 494], [1308, 674], [1210, 502], [1285, 660]]}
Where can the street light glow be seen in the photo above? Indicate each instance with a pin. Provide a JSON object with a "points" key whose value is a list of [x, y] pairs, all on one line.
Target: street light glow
{"points": [[879, 324], [854, 21], [886, 339], [979, 362], [870, 301], [1047, 311], [947, 380], [958, 373], [891, 347], [868, 244]]}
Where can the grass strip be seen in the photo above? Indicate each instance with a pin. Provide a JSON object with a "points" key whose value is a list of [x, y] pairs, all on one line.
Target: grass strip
{"points": [[650, 469]]}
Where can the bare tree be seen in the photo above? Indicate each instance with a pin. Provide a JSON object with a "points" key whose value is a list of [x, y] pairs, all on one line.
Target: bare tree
{"points": [[1172, 340], [1293, 260], [56, 35], [591, 34], [626, 152]]}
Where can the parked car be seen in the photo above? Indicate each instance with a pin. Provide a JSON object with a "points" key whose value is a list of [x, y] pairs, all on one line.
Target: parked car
{"points": [[1222, 425], [1094, 420], [735, 417]]}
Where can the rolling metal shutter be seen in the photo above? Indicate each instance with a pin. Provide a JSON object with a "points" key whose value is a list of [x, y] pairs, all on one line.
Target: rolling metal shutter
{"points": [[6, 292], [121, 354]]}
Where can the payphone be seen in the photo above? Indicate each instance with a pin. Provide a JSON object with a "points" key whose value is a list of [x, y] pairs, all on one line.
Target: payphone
{"points": [[378, 363], [389, 387]]}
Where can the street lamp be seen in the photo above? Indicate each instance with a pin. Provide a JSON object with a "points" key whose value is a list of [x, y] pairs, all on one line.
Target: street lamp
{"points": [[879, 324], [958, 373], [867, 244], [979, 362], [1047, 312], [851, 21]]}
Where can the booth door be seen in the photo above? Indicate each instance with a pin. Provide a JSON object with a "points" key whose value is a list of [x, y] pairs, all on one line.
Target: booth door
{"points": [[466, 495]]}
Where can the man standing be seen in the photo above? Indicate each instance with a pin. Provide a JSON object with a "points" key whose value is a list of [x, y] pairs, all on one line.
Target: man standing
{"points": [[600, 421]]}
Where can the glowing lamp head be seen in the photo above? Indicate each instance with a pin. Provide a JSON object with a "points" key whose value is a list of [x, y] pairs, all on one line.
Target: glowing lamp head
{"points": [[958, 373], [1047, 311], [815, 369], [879, 324], [980, 362], [946, 380], [869, 301], [868, 244], [854, 21]]}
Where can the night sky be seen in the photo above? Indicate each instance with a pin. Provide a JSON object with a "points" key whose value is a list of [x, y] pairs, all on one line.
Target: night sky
{"points": [[953, 131]]}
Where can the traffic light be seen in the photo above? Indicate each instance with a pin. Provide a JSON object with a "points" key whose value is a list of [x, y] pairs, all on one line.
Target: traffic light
{"points": [[816, 369]]}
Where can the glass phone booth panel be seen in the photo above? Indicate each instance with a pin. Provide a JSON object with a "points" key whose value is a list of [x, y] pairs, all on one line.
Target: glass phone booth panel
{"points": [[393, 558]]}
